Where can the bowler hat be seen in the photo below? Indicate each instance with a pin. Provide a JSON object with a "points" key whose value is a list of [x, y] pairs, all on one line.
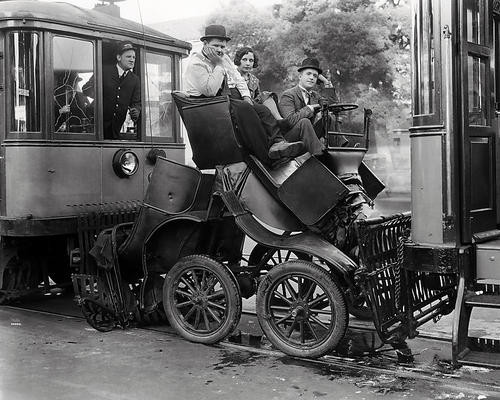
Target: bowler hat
{"points": [[310, 63], [215, 31], [123, 47]]}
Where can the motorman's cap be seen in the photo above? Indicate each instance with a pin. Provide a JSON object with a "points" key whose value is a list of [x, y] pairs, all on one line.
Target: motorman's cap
{"points": [[310, 63], [215, 31], [123, 47]]}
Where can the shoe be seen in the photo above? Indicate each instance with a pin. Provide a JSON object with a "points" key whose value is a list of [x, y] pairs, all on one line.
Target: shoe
{"points": [[286, 149]]}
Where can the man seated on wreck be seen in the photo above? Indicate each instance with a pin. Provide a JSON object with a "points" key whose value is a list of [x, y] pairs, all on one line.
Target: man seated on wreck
{"points": [[212, 73]]}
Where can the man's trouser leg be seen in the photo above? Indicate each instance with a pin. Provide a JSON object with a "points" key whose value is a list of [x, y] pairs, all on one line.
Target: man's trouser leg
{"points": [[269, 123], [250, 132], [303, 131]]}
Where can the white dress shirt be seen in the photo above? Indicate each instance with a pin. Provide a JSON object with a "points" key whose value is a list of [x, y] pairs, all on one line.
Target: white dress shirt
{"points": [[202, 78]]}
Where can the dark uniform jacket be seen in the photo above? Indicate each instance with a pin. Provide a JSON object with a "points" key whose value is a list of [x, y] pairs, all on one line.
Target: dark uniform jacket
{"points": [[118, 94]]}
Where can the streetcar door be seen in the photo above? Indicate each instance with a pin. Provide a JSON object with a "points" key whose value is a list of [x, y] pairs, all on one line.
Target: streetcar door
{"points": [[478, 185]]}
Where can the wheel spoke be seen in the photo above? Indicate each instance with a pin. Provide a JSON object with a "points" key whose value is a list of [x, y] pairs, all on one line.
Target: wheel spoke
{"points": [[279, 308], [205, 318], [190, 312], [183, 293], [290, 289], [310, 291], [195, 279], [323, 312], [301, 327], [219, 294], [282, 297], [289, 331], [311, 329], [215, 305], [215, 317], [197, 318], [281, 320], [318, 299], [184, 280], [184, 304], [320, 323], [203, 277]]}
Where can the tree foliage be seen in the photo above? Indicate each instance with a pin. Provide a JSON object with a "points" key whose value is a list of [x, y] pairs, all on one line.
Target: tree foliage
{"points": [[364, 43]]}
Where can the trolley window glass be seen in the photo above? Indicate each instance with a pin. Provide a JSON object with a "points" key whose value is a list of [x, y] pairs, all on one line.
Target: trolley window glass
{"points": [[158, 107], [425, 64], [477, 99], [25, 84], [73, 65]]}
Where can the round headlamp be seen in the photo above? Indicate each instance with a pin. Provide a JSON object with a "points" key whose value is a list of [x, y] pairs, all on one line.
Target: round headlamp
{"points": [[125, 163]]}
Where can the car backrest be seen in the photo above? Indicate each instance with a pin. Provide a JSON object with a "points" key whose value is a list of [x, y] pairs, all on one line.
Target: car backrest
{"points": [[210, 130]]}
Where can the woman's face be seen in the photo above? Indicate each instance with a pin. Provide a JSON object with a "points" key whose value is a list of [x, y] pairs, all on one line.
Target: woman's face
{"points": [[247, 62]]}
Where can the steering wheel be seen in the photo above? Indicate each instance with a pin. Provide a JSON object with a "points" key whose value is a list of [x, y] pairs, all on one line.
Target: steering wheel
{"points": [[340, 107]]}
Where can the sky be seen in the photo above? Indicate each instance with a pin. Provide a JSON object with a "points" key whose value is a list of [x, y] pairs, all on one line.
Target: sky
{"points": [[154, 11]]}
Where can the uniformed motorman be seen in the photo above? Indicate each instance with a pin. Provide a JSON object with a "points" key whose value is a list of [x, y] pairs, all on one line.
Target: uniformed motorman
{"points": [[120, 91]]}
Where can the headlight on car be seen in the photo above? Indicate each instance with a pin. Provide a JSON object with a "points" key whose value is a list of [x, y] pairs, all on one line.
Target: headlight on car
{"points": [[125, 163]]}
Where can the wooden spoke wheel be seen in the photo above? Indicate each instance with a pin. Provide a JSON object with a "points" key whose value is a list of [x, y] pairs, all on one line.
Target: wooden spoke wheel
{"points": [[301, 309], [201, 299]]}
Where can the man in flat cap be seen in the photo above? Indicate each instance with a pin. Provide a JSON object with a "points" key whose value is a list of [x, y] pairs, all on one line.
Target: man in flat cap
{"points": [[120, 92], [301, 105], [212, 73]]}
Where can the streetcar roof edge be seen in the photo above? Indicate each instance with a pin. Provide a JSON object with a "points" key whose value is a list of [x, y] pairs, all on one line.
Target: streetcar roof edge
{"points": [[68, 14]]}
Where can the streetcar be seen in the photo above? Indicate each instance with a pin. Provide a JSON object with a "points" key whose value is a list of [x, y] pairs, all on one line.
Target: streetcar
{"points": [[183, 253], [57, 168]]}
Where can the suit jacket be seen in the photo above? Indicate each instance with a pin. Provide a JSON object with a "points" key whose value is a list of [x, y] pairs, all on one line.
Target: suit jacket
{"points": [[293, 107], [117, 96]]}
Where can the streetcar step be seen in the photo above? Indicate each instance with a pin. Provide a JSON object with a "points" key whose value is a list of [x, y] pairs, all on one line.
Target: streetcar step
{"points": [[483, 300], [480, 358]]}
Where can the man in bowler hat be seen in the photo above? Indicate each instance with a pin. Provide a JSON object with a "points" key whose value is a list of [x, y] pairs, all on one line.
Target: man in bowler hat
{"points": [[301, 105], [212, 73], [120, 91]]}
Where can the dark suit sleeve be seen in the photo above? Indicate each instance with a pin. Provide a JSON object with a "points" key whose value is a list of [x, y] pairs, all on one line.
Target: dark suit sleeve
{"points": [[135, 100], [287, 107]]}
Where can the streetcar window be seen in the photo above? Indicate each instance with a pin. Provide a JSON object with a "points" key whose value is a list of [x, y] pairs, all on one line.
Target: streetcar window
{"points": [[73, 61], [24, 49], [477, 90], [158, 108], [424, 48], [475, 22]]}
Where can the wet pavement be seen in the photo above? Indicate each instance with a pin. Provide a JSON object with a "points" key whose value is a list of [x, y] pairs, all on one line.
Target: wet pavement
{"points": [[56, 357]]}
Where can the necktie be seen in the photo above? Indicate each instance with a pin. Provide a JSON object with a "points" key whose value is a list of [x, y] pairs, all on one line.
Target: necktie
{"points": [[307, 97]]}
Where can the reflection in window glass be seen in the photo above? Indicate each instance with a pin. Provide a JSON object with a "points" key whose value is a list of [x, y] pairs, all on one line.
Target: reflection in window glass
{"points": [[424, 102], [477, 89], [474, 23], [158, 108], [24, 48], [73, 66]]}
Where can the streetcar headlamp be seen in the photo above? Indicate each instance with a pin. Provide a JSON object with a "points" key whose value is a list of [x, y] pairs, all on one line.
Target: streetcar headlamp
{"points": [[125, 163]]}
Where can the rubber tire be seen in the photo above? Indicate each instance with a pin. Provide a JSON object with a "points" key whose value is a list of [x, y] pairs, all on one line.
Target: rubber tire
{"points": [[232, 297], [336, 299]]}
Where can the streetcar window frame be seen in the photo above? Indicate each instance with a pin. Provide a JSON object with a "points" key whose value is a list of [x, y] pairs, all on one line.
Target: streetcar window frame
{"points": [[145, 89], [426, 60], [92, 136], [10, 93]]}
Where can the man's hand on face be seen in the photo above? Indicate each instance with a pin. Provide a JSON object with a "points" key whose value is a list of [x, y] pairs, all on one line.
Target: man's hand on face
{"points": [[213, 54]]}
